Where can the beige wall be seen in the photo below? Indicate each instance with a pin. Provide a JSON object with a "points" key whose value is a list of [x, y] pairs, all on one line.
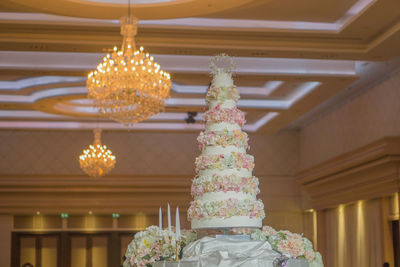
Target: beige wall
{"points": [[277, 162], [364, 119], [55, 153], [138, 153], [5, 240]]}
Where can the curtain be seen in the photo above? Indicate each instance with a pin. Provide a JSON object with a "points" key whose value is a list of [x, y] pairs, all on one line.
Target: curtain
{"points": [[356, 235]]}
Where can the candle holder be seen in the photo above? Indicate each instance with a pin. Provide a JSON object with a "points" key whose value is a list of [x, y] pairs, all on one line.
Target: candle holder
{"points": [[178, 249]]}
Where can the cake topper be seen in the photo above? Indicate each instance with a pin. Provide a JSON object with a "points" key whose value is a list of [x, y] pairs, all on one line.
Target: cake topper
{"points": [[221, 63]]}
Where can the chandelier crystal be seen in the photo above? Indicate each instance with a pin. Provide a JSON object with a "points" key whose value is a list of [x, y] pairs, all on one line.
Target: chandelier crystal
{"points": [[97, 160], [129, 86]]}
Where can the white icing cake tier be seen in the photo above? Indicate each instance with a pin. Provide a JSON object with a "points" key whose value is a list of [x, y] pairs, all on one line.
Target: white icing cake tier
{"points": [[212, 150], [220, 126], [224, 104], [235, 221], [210, 172], [222, 79], [215, 196]]}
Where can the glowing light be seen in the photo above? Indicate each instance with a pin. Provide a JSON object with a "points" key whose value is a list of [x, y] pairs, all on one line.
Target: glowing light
{"points": [[97, 160], [126, 93]]}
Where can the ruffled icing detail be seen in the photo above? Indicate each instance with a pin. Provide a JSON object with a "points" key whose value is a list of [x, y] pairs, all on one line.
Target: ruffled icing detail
{"points": [[228, 115]]}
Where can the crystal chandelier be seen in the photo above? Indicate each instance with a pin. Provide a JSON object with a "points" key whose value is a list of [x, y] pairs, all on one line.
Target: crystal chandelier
{"points": [[128, 86], [97, 160]]}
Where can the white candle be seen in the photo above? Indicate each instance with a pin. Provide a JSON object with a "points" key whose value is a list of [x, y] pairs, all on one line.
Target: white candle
{"points": [[177, 223], [169, 219], [160, 219]]}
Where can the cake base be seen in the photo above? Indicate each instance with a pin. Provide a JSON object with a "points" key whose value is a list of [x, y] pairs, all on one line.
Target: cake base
{"points": [[233, 222]]}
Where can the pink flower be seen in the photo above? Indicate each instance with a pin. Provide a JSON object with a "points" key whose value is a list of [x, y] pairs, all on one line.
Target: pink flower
{"points": [[222, 94], [269, 230], [226, 209], [224, 183], [292, 244], [229, 115], [310, 255]]}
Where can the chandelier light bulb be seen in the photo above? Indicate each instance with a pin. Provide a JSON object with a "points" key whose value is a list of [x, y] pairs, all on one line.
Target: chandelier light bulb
{"points": [[128, 86], [97, 160]]}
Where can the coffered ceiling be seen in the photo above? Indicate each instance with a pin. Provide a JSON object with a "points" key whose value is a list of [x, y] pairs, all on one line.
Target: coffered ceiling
{"points": [[291, 56]]}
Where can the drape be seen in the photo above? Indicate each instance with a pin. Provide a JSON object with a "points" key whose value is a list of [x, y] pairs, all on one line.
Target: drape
{"points": [[356, 235]]}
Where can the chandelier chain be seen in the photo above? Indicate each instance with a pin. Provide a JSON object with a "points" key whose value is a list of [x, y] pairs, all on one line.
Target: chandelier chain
{"points": [[129, 8]]}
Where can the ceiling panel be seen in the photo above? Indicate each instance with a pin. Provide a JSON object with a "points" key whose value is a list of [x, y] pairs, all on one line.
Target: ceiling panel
{"points": [[291, 57]]}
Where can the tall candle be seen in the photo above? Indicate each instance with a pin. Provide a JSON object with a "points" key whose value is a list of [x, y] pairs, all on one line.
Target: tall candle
{"points": [[169, 219], [177, 223], [160, 219]]}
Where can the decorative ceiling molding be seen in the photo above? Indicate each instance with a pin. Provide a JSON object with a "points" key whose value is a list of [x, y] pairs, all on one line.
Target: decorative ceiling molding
{"points": [[35, 81], [268, 86], [81, 125], [348, 34], [215, 23], [289, 62], [298, 93], [178, 63], [368, 172], [104, 10]]}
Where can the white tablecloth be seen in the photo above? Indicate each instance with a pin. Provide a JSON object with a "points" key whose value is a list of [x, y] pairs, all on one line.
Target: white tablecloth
{"points": [[291, 263], [226, 252]]}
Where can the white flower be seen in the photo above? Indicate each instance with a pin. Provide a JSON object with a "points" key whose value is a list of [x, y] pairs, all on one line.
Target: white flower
{"points": [[317, 262], [307, 244], [269, 230], [259, 235]]}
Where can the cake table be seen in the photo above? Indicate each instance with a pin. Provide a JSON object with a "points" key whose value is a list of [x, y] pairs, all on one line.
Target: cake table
{"points": [[229, 252]]}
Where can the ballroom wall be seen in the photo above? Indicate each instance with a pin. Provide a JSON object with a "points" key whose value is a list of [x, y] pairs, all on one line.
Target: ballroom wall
{"points": [[330, 143], [34, 163], [360, 120], [41, 154]]}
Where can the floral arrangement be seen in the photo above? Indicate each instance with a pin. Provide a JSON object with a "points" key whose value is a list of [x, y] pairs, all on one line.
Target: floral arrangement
{"points": [[155, 244], [228, 115], [226, 209], [224, 183], [224, 138], [234, 160], [221, 63], [222, 94], [289, 244]]}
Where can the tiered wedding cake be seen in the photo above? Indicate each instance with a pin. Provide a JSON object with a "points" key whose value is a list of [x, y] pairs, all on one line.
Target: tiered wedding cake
{"points": [[224, 192], [224, 189]]}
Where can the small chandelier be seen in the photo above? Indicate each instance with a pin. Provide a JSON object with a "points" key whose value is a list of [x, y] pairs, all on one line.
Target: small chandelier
{"points": [[97, 160], [128, 86]]}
